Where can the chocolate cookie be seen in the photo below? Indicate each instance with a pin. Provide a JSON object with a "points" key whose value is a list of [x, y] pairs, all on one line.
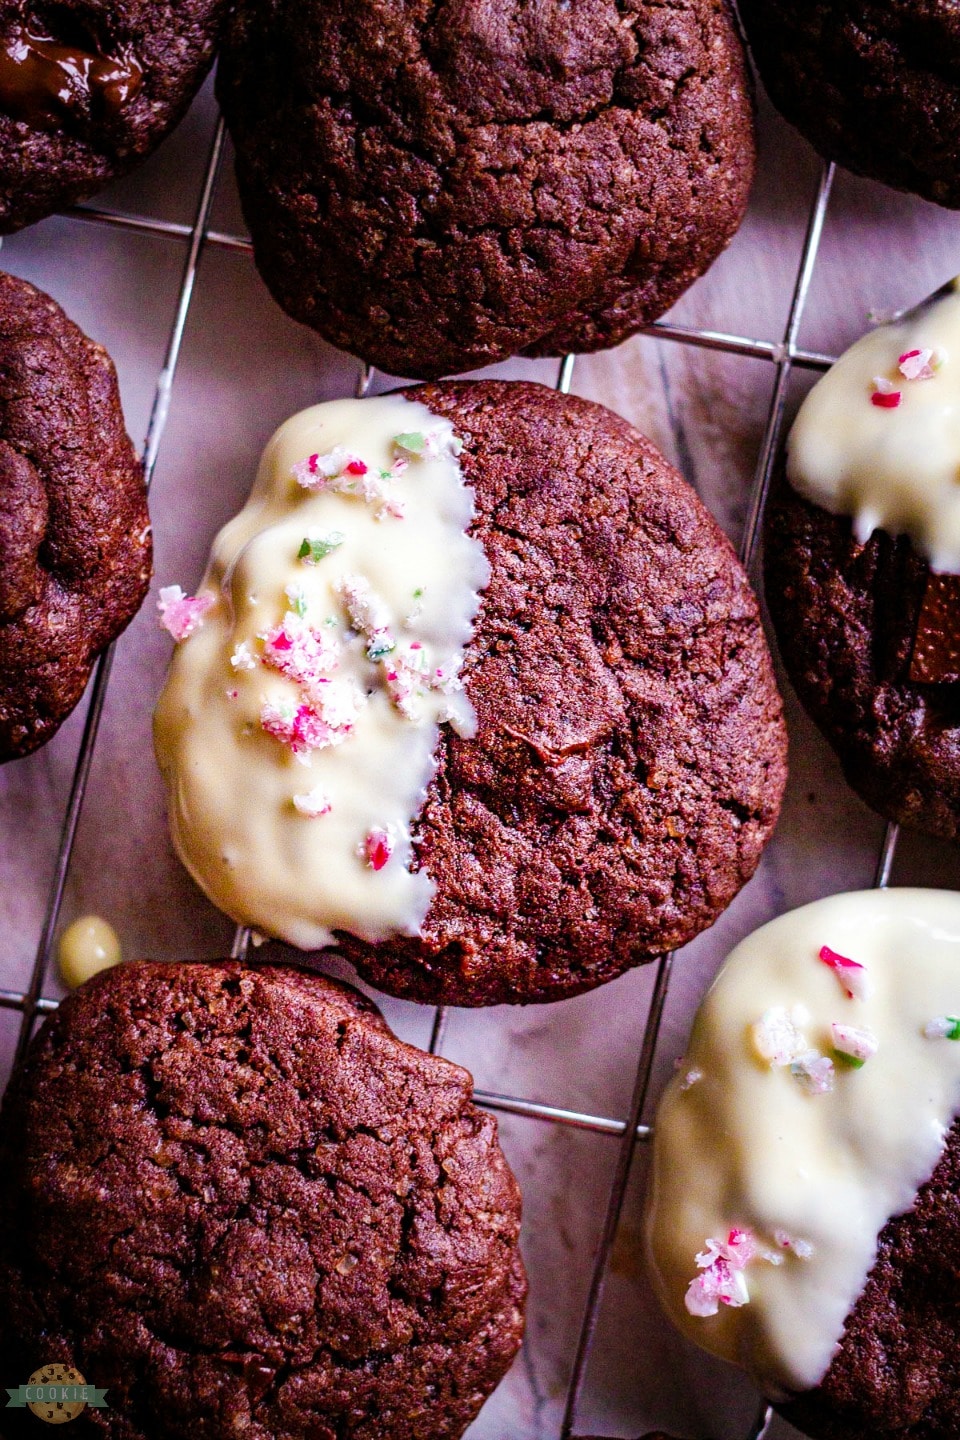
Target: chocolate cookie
{"points": [[873, 84], [75, 547], [231, 1197], [88, 89], [895, 1373], [846, 616], [630, 754], [436, 188], [817, 1098]]}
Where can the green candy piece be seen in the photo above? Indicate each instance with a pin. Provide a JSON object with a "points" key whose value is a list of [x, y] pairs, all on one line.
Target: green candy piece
{"points": [[850, 1061], [315, 550]]}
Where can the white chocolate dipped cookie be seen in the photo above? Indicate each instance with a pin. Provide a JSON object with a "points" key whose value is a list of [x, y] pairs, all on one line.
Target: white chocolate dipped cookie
{"points": [[813, 1104], [297, 728], [862, 563], [878, 437], [436, 698]]}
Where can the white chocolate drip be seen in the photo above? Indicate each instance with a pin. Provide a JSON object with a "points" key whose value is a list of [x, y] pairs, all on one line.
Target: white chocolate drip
{"points": [[750, 1147], [893, 466], [297, 728]]}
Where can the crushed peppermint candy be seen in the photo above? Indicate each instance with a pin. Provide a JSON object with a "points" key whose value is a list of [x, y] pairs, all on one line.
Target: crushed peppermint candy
{"points": [[298, 600], [377, 847], [313, 727], [815, 1073], [301, 652], [801, 1248], [368, 614], [918, 364], [721, 1281], [315, 547], [181, 614], [243, 657], [944, 1027], [777, 1037], [314, 472], [851, 974], [347, 474], [314, 804], [852, 1045], [690, 1079], [885, 395]]}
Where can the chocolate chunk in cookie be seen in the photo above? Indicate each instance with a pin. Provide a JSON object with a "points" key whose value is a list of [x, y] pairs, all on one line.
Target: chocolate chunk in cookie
{"points": [[90, 88]]}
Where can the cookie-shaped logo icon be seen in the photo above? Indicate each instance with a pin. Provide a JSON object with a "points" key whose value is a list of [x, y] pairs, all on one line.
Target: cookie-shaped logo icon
{"points": [[54, 1383]]}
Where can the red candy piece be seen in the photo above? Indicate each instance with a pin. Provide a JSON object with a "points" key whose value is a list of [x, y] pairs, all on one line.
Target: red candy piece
{"points": [[356, 467], [889, 401], [379, 848]]}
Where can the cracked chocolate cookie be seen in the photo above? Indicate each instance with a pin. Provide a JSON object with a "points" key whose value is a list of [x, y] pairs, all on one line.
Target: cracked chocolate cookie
{"points": [[231, 1197], [75, 546], [630, 754], [88, 88], [802, 1214], [873, 84], [498, 759], [846, 615], [437, 187], [862, 566]]}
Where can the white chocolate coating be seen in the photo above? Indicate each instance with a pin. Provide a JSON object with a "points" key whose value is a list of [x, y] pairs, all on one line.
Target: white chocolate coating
{"points": [[278, 839], [741, 1143], [897, 469]]}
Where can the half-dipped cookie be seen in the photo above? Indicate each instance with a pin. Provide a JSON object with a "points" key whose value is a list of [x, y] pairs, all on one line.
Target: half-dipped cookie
{"points": [[89, 88], [435, 188], [232, 1198], [863, 564], [75, 545], [475, 689], [803, 1217]]}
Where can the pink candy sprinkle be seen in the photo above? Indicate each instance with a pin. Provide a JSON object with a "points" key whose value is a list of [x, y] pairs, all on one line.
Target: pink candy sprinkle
{"points": [[302, 729], [356, 467], [181, 614], [917, 365], [721, 1282], [886, 400], [852, 975], [377, 848], [301, 653]]}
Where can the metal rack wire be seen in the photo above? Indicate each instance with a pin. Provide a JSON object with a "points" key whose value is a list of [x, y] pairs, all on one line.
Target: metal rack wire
{"points": [[786, 355]]}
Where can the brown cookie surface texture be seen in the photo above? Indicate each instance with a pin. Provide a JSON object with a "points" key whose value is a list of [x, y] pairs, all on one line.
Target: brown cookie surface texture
{"points": [[630, 754], [873, 84], [75, 546], [896, 1373], [847, 618], [437, 187], [88, 88], [231, 1197]]}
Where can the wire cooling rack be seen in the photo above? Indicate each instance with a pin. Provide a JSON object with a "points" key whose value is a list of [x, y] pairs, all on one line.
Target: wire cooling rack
{"points": [[786, 355]]}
